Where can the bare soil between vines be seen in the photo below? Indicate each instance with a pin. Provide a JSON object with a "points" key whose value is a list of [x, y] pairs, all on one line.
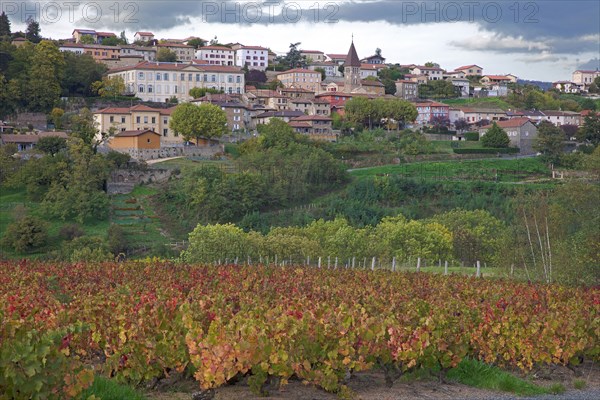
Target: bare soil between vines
{"points": [[371, 385]]}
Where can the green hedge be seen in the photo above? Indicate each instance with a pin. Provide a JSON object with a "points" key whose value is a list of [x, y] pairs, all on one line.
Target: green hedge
{"points": [[472, 136], [507, 150]]}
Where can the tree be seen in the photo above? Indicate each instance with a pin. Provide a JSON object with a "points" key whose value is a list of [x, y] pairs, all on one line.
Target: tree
{"points": [[84, 127], [476, 235], [461, 124], [440, 123], [549, 141], [56, 116], [26, 234], [33, 31], [359, 110], [165, 55], [495, 137], [322, 71], [114, 41], [216, 242], [51, 144], [196, 42], [293, 58], [274, 84], [109, 86], [437, 90], [4, 27], [86, 39], [569, 130], [81, 70], [400, 111], [198, 92], [590, 130], [254, 76], [378, 52], [47, 68], [78, 190], [193, 122]]}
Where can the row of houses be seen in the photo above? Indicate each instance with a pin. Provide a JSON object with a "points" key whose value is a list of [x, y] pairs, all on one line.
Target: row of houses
{"points": [[581, 81]]}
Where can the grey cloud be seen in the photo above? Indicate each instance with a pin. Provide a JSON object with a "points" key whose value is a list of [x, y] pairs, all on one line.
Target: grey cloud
{"points": [[592, 64], [561, 24]]}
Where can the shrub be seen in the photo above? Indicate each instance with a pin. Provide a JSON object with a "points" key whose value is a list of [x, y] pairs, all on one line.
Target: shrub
{"points": [[86, 248], [26, 234], [495, 137], [472, 136], [117, 240], [70, 232]]}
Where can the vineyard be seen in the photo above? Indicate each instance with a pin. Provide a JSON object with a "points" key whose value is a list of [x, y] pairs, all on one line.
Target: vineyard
{"points": [[62, 324]]}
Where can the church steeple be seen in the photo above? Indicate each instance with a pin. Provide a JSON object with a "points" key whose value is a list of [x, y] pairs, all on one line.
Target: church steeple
{"points": [[351, 69], [352, 59]]}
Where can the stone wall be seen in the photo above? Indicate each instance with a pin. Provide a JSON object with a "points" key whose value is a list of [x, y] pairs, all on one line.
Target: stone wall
{"points": [[176, 151], [122, 181]]}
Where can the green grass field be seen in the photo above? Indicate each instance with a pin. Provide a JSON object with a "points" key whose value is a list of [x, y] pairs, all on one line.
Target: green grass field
{"points": [[15, 201], [503, 170]]}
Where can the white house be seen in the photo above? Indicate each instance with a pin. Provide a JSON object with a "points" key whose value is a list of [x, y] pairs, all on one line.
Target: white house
{"points": [[143, 36], [155, 81], [216, 55], [432, 73], [254, 57]]}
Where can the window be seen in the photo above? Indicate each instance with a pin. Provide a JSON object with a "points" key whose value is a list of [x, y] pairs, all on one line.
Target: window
{"points": [[190, 77], [238, 79], [137, 119], [122, 120], [165, 121], [239, 90], [165, 131], [158, 76], [112, 119], [213, 78], [230, 78], [182, 77], [174, 76], [141, 75], [148, 140], [149, 88], [153, 120], [166, 76], [230, 90], [205, 78], [197, 77], [141, 88], [175, 89], [145, 119]]}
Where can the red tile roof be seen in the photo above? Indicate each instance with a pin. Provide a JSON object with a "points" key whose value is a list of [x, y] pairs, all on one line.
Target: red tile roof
{"points": [[215, 48], [468, 67], [498, 77], [511, 123], [253, 48], [144, 33], [299, 70], [312, 118]]}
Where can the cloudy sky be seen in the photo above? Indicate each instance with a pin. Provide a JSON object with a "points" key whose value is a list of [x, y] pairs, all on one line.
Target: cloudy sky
{"points": [[543, 40]]}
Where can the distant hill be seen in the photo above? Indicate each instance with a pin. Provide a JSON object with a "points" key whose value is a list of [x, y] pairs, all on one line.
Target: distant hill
{"points": [[540, 84]]}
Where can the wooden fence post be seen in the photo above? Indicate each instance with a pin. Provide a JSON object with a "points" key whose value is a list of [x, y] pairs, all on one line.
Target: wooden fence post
{"points": [[394, 264], [418, 264], [373, 264], [319, 262], [478, 273], [446, 267]]}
